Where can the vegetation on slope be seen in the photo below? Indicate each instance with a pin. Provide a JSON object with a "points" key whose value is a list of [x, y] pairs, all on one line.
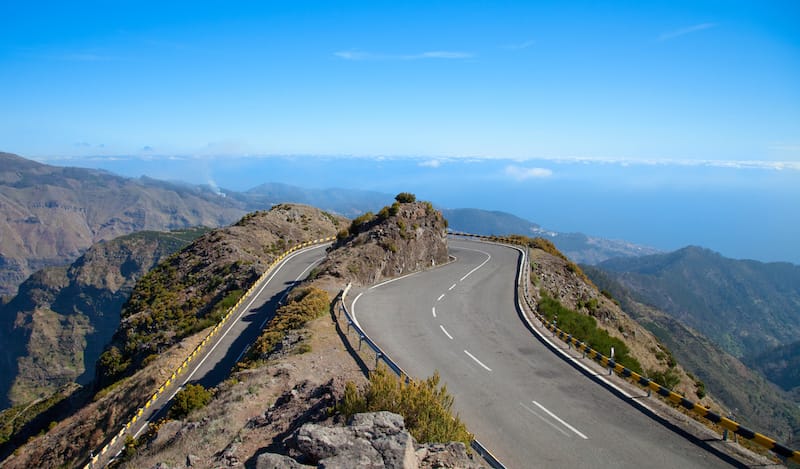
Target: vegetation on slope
{"points": [[404, 237], [304, 304], [425, 406], [758, 403], [746, 307], [194, 288], [585, 328]]}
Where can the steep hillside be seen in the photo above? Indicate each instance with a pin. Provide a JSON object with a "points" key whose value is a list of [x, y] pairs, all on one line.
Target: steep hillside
{"points": [[781, 364], [55, 328], [404, 237], [746, 307], [555, 277], [49, 215], [192, 289], [577, 246], [756, 401], [161, 323]]}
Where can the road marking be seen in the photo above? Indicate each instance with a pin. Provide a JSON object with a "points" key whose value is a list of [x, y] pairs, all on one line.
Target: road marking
{"points": [[449, 336], [440, 297], [245, 309], [451, 287], [433, 310], [488, 257], [561, 421], [544, 419], [477, 361]]}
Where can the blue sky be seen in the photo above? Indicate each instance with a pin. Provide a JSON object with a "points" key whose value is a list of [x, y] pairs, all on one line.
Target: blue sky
{"points": [[616, 102]]}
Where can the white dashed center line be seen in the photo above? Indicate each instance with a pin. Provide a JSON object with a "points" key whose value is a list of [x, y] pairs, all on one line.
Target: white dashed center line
{"points": [[445, 332], [561, 421], [477, 361], [433, 310], [451, 287], [440, 297]]}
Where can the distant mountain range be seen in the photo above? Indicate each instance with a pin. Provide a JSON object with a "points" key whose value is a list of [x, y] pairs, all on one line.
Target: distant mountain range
{"points": [[49, 215], [747, 307], [577, 246], [754, 400], [55, 328], [735, 323]]}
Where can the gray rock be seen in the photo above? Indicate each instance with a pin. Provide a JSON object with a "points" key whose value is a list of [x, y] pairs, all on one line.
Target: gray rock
{"points": [[277, 461], [192, 460]]}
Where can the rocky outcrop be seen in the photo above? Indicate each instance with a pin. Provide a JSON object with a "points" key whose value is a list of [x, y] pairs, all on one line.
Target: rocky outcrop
{"points": [[402, 238], [373, 440]]}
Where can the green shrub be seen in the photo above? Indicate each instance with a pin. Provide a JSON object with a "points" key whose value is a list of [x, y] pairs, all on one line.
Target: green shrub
{"points": [[405, 198], [425, 406], [584, 328], [191, 397], [360, 221], [304, 304], [669, 378]]}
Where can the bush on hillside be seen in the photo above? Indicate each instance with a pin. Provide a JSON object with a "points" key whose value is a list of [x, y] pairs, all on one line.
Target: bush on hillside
{"points": [[584, 328], [405, 198], [304, 305], [191, 397], [425, 406]]}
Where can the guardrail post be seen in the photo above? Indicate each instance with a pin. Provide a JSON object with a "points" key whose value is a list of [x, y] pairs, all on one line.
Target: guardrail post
{"points": [[360, 340], [569, 342], [378, 356]]}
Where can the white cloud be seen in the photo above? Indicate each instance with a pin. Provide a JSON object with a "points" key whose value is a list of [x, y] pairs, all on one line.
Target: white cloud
{"points": [[431, 163], [438, 54], [520, 45], [683, 31], [521, 174]]}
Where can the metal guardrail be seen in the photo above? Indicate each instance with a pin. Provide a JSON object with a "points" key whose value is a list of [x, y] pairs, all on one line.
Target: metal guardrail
{"points": [[94, 457], [730, 425], [381, 355]]}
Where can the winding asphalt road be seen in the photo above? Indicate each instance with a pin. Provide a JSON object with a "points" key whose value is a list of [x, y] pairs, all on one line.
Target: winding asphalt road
{"points": [[217, 359], [524, 403]]}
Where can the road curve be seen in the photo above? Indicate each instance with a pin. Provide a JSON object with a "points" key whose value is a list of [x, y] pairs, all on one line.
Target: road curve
{"points": [[524, 403], [214, 363]]}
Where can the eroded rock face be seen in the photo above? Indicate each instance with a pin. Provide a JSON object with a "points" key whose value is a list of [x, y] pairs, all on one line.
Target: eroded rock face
{"points": [[401, 239], [375, 440]]}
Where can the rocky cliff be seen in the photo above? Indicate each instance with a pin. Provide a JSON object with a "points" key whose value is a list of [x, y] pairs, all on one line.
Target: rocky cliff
{"points": [[402, 238], [55, 328]]}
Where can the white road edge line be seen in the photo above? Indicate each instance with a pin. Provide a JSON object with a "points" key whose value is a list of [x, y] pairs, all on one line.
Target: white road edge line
{"points": [[448, 335], [488, 257], [566, 355], [440, 297], [231, 323], [561, 421], [433, 310], [244, 310], [451, 287], [477, 361], [557, 428]]}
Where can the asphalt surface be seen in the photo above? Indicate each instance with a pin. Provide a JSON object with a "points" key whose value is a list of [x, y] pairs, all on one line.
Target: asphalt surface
{"points": [[524, 403]]}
